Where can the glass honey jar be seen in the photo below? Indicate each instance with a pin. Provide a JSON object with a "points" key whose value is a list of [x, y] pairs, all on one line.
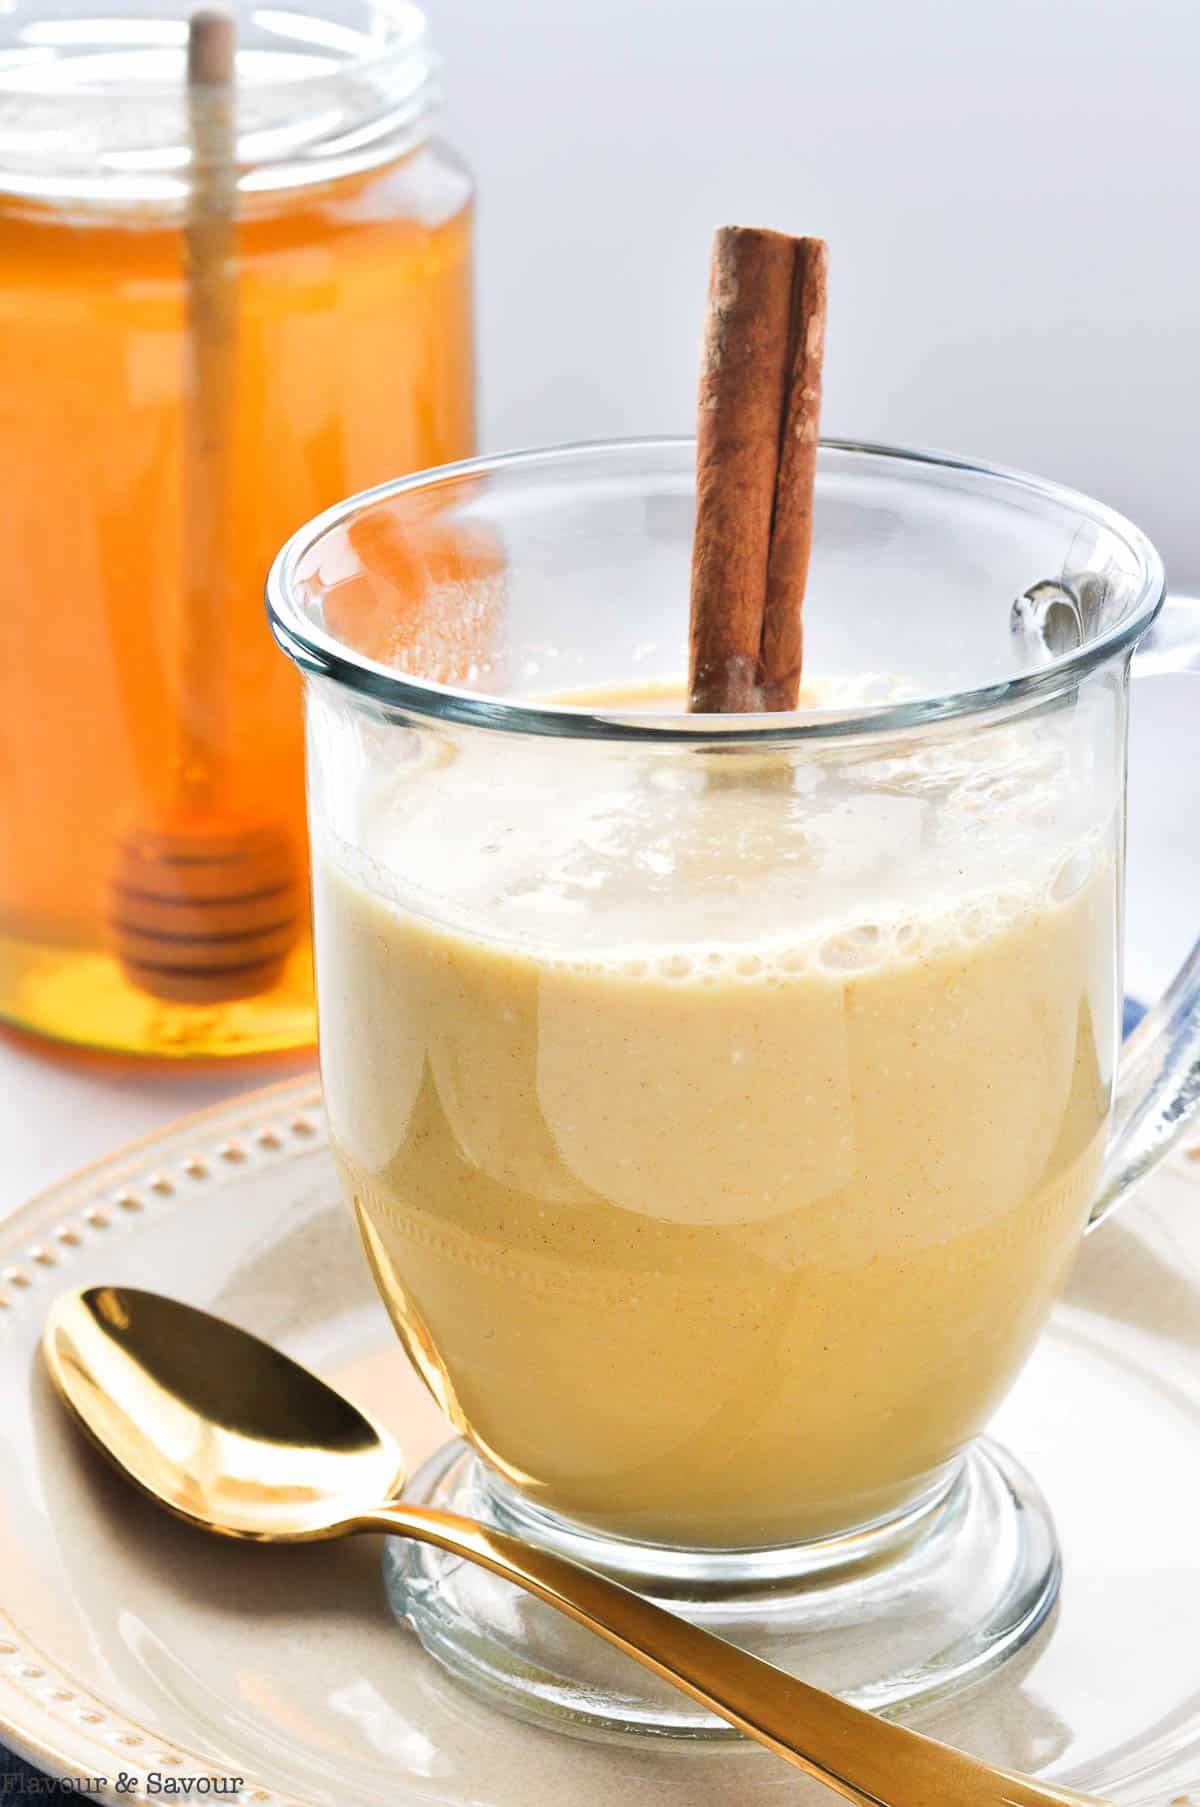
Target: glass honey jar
{"points": [[195, 357]]}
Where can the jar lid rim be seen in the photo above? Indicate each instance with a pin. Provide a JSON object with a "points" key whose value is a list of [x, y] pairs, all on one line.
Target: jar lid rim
{"points": [[93, 104]]}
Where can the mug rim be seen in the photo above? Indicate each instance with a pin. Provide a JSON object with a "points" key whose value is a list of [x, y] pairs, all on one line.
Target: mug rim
{"points": [[321, 654]]}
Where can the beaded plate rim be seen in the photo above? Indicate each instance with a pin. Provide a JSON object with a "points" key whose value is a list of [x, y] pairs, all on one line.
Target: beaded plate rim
{"points": [[168, 1168]]}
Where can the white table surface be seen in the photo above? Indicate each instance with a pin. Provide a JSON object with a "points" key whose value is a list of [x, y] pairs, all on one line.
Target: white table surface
{"points": [[58, 1112]]}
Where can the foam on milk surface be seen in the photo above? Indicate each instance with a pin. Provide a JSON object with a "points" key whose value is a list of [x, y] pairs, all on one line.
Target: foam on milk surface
{"points": [[578, 850]]}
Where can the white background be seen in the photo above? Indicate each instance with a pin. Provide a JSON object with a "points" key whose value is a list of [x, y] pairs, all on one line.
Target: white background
{"points": [[1011, 192]]}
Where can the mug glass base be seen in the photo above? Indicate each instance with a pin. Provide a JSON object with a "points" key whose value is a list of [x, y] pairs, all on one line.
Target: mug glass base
{"points": [[896, 1613]]}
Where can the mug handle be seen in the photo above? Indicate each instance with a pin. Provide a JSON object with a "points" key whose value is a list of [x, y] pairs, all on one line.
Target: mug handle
{"points": [[1158, 1082]]}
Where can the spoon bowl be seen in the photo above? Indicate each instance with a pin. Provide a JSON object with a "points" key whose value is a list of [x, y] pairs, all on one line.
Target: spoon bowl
{"points": [[217, 1426]]}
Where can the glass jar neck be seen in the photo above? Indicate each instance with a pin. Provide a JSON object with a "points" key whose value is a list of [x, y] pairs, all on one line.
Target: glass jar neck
{"points": [[93, 100]]}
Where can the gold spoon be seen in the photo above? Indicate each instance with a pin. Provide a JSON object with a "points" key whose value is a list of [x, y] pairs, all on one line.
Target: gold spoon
{"points": [[236, 1438]]}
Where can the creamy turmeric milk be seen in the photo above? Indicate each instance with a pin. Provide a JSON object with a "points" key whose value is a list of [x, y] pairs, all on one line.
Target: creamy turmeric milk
{"points": [[714, 1205]]}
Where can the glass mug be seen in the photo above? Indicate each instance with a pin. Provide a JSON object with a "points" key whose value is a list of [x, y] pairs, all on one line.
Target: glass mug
{"points": [[723, 1099]]}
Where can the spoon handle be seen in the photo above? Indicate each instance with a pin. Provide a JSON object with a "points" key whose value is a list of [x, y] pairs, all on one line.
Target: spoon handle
{"points": [[867, 1760]]}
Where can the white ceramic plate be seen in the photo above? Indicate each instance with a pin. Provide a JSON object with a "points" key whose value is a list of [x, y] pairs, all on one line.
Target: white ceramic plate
{"points": [[130, 1643]]}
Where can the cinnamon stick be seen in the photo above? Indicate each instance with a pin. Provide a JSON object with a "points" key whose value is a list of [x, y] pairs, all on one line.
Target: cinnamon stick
{"points": [[781, 652], [760, 395]]}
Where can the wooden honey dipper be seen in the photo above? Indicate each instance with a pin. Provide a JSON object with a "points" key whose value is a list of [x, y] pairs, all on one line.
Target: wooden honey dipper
{"points": [[205, 909]]}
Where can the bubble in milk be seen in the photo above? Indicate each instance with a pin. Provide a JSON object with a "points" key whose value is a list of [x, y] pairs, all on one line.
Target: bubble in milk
{"points": [[976, 922], [999, 790], [675, 966], [1072, 874], [852, 949]]}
